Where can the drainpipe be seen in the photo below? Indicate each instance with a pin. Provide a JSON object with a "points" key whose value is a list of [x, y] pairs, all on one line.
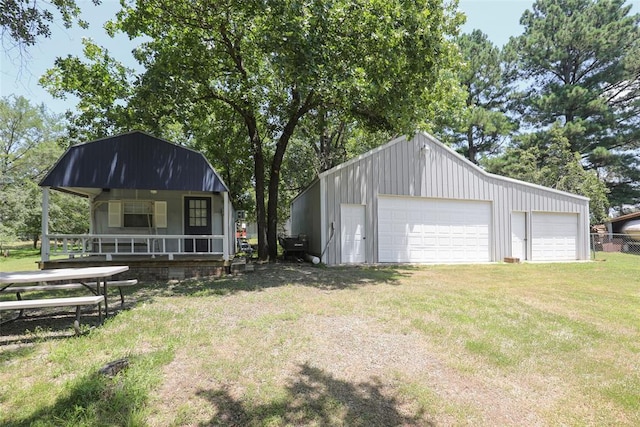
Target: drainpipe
{"points": [[44, 241]]}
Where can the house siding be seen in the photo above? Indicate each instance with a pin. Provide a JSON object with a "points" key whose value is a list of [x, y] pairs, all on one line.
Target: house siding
{"points": [[423, 167], [175, 214]]}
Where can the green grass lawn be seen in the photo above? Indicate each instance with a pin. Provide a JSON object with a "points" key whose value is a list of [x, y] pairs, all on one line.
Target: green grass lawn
{"points": [[21, 257], [502, 344]]}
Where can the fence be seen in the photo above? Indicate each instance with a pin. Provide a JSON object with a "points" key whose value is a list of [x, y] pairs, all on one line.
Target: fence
{"points": [[116, 244], [604, 242]]}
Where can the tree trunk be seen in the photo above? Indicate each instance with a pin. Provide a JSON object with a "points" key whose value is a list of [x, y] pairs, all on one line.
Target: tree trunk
{"points": [[274, 177], [473, 151], [258, 168], [261, 217], [274, 184]]}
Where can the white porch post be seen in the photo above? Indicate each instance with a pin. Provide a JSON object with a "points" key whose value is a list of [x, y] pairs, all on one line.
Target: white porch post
{"points": [[225, 227], [44, 245], [92, 201]]}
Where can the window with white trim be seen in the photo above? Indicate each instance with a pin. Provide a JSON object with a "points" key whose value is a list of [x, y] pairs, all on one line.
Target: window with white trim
{"points": [[137, 214]]}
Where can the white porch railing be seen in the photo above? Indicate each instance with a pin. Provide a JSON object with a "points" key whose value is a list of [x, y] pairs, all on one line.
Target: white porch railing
{"points": [[141, 244]]}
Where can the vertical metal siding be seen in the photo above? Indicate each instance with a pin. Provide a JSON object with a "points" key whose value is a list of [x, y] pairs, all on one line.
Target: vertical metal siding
{"points": [[404, 168], [334, 216], [372, 206]]}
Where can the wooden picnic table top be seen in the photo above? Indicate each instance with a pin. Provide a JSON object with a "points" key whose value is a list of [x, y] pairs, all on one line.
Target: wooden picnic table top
{"points": [[60, 274]]}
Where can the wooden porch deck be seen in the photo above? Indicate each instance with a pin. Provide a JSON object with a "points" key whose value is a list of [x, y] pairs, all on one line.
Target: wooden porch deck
{"points": [[157, 268]]}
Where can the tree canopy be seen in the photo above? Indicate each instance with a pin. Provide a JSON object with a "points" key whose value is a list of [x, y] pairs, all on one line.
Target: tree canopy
{"points": [[297, 86], [265, 66], [567, 90], [22, 22], [581, 62], [546, 158], [103, 86], [29, 146], [483, 125]]}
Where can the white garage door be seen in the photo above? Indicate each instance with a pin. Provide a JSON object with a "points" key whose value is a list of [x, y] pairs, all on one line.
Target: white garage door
{"points": [[413, 229], [554, 236]]}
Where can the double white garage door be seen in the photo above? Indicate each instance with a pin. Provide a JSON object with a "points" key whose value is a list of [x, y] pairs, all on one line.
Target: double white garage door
{"points": [[420, 230]]}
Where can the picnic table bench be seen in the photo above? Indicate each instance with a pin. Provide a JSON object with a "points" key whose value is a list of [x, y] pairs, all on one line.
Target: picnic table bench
{"points": [[11, 282], [92, 286], [78, 302]]}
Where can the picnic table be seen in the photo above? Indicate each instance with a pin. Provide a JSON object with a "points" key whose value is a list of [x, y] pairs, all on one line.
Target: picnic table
{"points": [[95, 279]]}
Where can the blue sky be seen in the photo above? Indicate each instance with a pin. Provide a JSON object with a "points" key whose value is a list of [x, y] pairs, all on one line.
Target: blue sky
{"points": [[499, 19]]}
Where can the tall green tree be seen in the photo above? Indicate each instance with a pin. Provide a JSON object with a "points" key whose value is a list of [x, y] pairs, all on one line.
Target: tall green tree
{"points": [[29, 146], [486, 76], [325, 138], [104, 88], [326, 133], [546, 158], [28, 136], [581, 60], [273, 63], [321, 143], [221, 137]]}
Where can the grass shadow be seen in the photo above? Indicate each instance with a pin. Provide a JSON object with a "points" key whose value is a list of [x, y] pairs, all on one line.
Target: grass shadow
{"points": [[91, 400], [39, 324], [45, 325], [100, 400], [276, 275], [315, 398]]}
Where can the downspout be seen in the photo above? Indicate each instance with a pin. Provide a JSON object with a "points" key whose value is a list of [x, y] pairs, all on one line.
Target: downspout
{"points": [[44, 241]]}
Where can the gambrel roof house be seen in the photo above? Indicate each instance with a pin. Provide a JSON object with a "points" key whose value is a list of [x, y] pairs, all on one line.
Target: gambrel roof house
{"points": [[418, 201], [147, 196]]}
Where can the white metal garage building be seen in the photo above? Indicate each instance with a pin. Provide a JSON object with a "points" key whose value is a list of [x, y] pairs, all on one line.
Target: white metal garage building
{"points": [[418, 201]]}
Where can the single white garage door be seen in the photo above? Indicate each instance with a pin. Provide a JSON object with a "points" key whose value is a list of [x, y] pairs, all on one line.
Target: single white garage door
{"points": [[421, 230], [554, 236]]}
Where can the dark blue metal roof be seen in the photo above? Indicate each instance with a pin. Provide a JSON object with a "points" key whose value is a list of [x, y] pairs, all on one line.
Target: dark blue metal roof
{"points": [[134, 160]]}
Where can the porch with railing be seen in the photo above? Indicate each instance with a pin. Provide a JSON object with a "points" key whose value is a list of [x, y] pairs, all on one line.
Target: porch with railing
{"points": [[109, 245]]}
